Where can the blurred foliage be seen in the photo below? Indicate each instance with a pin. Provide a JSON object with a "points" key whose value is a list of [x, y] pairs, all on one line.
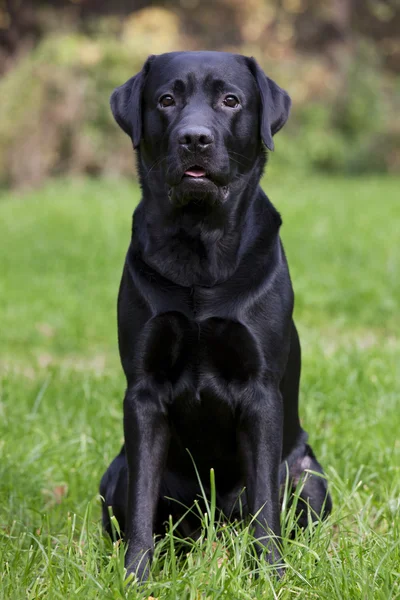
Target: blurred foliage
{"points": [[349, 122], [61, 60], [54, 104]]}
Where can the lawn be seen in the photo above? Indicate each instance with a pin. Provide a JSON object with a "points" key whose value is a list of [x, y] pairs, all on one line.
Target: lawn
{"points": [[61, 387]]}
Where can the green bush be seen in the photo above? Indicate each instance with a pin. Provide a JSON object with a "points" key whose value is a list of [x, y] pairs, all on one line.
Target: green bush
{"points": [[55, 116], [352, 126], [54, 105]]}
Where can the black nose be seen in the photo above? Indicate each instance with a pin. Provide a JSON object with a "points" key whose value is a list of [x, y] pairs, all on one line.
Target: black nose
{"points": [[195, 138]]}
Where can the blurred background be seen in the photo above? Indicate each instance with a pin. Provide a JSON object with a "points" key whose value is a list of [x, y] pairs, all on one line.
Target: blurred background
{"points": [[60, 60], [67, 193]]}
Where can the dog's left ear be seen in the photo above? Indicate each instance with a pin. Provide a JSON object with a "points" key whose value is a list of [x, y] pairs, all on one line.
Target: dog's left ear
{"points": [[126, 104], [275, 104]]}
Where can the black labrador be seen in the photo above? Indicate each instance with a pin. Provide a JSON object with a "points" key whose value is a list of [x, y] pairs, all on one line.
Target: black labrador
{"points": [[206, 337]]}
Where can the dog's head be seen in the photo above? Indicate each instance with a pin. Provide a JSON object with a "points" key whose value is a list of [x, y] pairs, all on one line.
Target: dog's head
{"points": [[199, 120]]}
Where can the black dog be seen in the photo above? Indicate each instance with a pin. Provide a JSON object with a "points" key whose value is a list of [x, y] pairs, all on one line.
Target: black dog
{"points": [[207, 341]]}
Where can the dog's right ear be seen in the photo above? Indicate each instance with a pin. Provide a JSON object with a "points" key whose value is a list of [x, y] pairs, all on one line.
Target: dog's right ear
{"points": [[126, 104], [275, 104]]}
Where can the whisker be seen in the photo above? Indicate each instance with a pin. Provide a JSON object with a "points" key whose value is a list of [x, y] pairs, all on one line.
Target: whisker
{"points": [[155, 164], [236, 161], [241, 155]]}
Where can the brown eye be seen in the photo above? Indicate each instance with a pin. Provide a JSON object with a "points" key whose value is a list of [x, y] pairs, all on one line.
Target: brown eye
{"points": [[231, 101], [167, 100]]}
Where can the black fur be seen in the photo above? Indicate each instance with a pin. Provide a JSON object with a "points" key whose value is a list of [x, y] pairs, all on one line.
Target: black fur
{"points": [[207, 341]]}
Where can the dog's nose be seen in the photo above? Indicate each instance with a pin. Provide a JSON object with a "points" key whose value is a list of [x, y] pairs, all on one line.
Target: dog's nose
{"points": [[195, 138]]}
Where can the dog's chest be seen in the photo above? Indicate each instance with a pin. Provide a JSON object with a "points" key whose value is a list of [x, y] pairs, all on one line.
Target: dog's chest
{"points": [[213, 349]]}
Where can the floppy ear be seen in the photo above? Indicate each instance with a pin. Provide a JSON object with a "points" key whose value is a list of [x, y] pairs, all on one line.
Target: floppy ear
{"points": [[126, 104], [275, 104]]}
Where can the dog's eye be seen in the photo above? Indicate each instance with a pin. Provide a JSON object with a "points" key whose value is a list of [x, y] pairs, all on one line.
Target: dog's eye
{"points": [[231, 101], [166, 100]]}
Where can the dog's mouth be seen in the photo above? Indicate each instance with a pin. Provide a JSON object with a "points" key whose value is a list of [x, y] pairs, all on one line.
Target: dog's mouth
{"points": [[198, 185], [201, 175], [195, 172]]}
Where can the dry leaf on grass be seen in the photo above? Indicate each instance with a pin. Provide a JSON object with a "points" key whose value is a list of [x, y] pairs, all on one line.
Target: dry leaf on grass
{"points": [[55, 495]]}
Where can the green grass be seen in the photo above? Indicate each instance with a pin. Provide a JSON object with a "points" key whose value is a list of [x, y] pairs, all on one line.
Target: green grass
{"points": [[61, 255]]}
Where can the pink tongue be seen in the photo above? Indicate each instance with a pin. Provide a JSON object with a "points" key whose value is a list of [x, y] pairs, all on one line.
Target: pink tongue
{"points": [[195, 172]]}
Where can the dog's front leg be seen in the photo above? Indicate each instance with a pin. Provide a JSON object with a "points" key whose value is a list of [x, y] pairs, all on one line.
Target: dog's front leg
{"points": [[146, 439], [260, 443]]}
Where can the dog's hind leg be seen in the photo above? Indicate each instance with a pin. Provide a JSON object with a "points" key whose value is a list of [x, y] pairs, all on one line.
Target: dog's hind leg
{"points": [[113, 489], [306, 475], [298, 457]]}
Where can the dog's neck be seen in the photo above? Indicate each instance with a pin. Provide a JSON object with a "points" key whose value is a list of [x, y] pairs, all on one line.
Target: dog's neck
{"points": [[200, 245]]}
